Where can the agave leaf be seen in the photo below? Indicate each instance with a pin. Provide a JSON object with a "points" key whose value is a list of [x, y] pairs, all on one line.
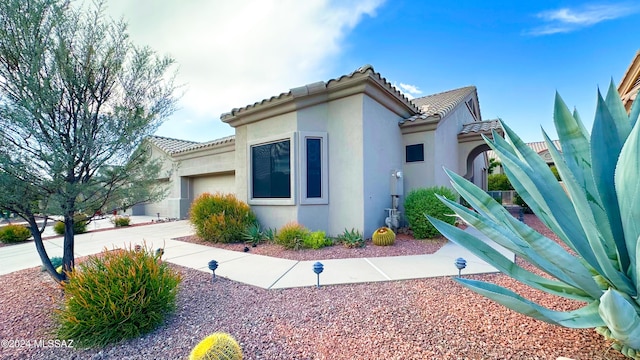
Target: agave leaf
{"points": [[627, 187], [585, 317], [577, 156], [501, 235], [606, 145], [617, 111], [603, 245], [547, 198], [576, 116], [505, 265], [635, 111], [621, 318], [549, 255]]}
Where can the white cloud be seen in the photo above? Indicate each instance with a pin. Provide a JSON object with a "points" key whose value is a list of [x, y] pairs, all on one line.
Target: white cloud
{"points": [[566, 20], [232, 53], [410, 90]]}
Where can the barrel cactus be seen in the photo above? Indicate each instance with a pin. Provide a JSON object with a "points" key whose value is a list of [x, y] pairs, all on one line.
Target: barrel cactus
{"points": [[383, 236], [595, 215], [217, 346]]}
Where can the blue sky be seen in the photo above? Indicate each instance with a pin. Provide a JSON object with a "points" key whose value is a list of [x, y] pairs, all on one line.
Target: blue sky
{"points": [[517, 53]]}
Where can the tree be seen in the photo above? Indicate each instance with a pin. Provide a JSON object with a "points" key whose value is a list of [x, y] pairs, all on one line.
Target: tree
{"points": [[77, 99]]}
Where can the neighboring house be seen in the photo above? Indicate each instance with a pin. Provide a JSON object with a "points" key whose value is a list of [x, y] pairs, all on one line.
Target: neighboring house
{"points": [[630, 83], [328, 154]]}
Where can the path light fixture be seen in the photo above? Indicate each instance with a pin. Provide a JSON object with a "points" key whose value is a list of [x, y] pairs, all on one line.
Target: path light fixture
{"points": [[318, 268], [521, 214], [213, 265], [460, 264]]}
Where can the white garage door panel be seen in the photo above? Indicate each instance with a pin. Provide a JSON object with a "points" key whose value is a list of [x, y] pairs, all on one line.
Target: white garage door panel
{"points": [[212, 184]]}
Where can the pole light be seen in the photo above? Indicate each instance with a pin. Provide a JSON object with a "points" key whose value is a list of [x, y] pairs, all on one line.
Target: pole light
{"points": [[213, 265], [460, 264], [318, 268]]}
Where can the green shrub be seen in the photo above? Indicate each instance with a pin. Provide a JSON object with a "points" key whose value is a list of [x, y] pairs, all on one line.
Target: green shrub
{"points": [[421, 202], [11, 233], [351, 239], [121, 221], [221, 217], [316, 240], [116, 295], [497, 182], [555, 172], [292, 235], [80, 222]]}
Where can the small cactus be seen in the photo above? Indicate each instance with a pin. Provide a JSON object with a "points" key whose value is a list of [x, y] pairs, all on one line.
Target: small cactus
{"points": [[383, 236], [217, 346]]}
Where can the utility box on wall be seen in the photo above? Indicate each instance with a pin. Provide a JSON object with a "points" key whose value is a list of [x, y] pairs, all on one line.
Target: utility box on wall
{"points": [[397, 187]]}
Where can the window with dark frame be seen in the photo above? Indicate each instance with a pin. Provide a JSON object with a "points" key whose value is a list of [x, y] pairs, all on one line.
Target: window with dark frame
{"points": [[314, 167], [271, 170], [414, 153]]}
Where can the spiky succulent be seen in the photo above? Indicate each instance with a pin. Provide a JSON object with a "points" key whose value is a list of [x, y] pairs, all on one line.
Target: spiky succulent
{"points": [[596, 214]]}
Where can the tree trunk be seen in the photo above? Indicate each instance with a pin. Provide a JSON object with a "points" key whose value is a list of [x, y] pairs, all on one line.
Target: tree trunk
{"points": [[44, 257], [67, 248]]}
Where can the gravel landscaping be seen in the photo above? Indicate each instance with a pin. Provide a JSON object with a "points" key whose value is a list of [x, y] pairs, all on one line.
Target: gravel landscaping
{"points": [[416, 319]]}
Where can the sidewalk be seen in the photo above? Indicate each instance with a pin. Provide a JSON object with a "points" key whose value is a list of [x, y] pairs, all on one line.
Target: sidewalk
{"points": [[258, 270]]}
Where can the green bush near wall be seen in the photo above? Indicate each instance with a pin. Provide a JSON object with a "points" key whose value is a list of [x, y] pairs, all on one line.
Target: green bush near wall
{"points": [[423, 201]]}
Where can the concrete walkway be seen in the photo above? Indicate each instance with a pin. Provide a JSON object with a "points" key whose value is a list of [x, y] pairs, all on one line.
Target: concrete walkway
{"points": [[258, 270]]}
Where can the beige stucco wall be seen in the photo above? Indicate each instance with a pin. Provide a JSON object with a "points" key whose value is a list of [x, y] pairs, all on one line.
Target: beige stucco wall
{"points": [[223, 183], [419, 174], [383, 152]]}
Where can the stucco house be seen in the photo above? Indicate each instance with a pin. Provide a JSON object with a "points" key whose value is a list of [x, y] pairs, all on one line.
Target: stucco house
{"points": [[329, 155], [630, 83]]}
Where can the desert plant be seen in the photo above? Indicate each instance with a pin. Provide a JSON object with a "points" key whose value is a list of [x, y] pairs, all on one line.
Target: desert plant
{"points": [[253, 234], [116, 295], [596, 217], [11, 233], [351, 238], [217, 346], [316, 240], [221, 217], [270, 234], [383, 236], [292, 235], [120, 221], [423, 201], [80, 222]]}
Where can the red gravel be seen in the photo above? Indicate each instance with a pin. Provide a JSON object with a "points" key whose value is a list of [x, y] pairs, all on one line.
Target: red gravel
{"points": [[416, 319]]}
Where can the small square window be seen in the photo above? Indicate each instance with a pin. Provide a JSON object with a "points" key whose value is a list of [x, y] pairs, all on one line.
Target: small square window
{"points": [[414, 153]]}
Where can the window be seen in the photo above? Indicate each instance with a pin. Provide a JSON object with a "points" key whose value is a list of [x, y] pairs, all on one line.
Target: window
{"points": [[314, 177], [271, 170], [414, 153]]}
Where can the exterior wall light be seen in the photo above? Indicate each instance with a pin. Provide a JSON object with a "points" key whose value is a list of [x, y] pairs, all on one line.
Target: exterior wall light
{"points": [[318, 268], [213, 265], [460, 264]]}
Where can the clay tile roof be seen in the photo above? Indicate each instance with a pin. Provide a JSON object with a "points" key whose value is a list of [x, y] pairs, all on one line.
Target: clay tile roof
{"points": [[485, 126], [439, 104], [176, 146], [363, 70]]}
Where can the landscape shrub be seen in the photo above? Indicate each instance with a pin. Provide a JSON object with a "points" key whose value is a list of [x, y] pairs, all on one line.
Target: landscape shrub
{"points": [[316, 240], [80, 222], [424, 201], [292, 235], [498, 182], [221, 217], [116, 295], [351, 239], [56, 262], [121, 221], [11, 233]]}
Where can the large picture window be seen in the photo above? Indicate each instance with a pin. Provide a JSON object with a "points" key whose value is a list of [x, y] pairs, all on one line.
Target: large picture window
{"points": [[271, 170]]}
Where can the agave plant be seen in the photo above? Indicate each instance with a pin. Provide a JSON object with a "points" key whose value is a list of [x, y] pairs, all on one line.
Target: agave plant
{"points": [[596, 214]]}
